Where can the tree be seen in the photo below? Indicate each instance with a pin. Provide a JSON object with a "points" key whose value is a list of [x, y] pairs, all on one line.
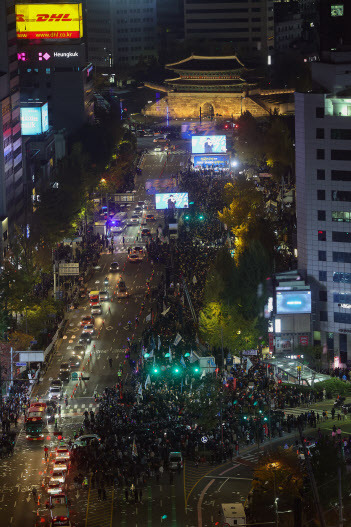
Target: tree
{"points": [[279, 148], [250, 143]]}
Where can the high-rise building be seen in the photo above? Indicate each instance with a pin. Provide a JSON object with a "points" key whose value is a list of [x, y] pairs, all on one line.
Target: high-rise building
{"points": [[323, 181], [247, 24], [99, 33], [135, 31], [12, 203]]}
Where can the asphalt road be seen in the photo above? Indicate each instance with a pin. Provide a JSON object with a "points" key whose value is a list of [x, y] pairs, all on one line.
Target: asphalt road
{"points": [[189, 498]]}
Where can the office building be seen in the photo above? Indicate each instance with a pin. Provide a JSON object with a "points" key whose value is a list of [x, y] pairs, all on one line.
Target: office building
{"points": [[99, 33], [247, 24], [135, 31], [12, 206], [288, 25], [323, 182]]}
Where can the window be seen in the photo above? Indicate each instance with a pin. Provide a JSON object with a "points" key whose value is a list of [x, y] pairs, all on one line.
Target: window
{"points": [[321, 215], [319, 133], [321, 195], [341, 195], [319, 113], [341, 216], [343, 237], [341, 175], [342, 318], [341, 257], [322, 256], [322, 236], [323, 296], [322, 276], [339, 133], [320, 153], [323, 316], [342, 278], [320, 174], [340, 155], [342, 298]]}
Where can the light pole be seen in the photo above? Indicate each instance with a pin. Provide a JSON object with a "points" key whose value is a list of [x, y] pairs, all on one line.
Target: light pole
{"points": [[274, 466]]}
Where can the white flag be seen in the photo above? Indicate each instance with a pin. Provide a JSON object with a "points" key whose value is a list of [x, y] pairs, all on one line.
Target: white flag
{"points": [[170, 353], [194, 280], [164, 313], [148, 381], [248, 364], [177, 339], [158, 342], [192, 357], [140, 391], [148, 318]]}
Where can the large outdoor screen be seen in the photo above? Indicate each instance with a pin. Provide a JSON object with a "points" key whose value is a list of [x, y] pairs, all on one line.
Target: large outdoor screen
{"points": [[208, 144], [177, 200], [208, 160], [290, 302], [34, 119], [53, 21]]}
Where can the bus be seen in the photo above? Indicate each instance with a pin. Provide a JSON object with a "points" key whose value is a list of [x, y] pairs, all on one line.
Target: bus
{"points": [[35, 423], [59, 511]]}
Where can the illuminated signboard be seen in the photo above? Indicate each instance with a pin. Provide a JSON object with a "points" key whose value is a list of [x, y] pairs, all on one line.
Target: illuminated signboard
{"points": [[208, 144], [337, 10], [53, 21], [172, 201], [292, 302], [34, 119], [208, 160]]}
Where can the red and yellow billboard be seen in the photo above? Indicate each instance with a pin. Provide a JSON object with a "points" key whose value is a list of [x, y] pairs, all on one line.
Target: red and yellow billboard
{"points": [[54, 21]]}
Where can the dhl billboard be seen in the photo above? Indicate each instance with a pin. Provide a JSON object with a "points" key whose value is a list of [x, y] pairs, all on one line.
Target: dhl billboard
{"points": [[54, 21]]}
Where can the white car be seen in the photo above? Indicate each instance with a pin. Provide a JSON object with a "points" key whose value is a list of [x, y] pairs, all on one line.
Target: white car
{"points": [[54, 488], [103, 295], [134, 220], [63, 453], [55, 393], [60, 465], [96, 310], [86, 440], [59, 477]]}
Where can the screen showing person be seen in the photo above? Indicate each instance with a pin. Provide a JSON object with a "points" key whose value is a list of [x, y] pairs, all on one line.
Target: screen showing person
{"points": [[209, 144], [172, 201]]}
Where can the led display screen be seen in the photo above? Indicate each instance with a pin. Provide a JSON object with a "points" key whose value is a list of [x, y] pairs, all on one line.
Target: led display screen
{"points": [[34, 119], [208, 160], [291, 302], [156, 186], [208, 144], [172, 201], [53, 21]]}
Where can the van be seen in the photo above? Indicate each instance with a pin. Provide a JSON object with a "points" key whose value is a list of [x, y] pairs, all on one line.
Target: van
{"points": [[175, 459], [233, 513]]}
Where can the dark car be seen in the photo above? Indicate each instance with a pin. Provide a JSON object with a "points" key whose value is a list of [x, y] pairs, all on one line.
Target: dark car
{"points": [[85, 338], [146, 232]]}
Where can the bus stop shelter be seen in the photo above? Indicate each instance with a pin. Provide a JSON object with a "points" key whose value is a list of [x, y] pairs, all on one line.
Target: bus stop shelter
{"points": [[295, 372]]}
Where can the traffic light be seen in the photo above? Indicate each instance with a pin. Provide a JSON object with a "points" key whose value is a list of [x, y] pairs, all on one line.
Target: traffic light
{"points": [[155, 370], [187, 217], [146, 355], [176, 370], [201, 217], [196, 369]]}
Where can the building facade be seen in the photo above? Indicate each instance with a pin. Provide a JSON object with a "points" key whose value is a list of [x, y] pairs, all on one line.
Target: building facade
{"points": [[99, 33], [12, 203], [248, 25], [323, 185], [135, 31]]}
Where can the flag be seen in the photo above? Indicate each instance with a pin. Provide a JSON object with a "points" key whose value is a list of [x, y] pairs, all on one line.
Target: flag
{"points": [[148, 381], [134, 449], [158, 342], [151, 354], [140, 391], [192, 357], [165, 311], [177, 339], [154, 360], [152, 340], [182, 299], [170, 353], [148, 318], [194, 280], [182, 361], [248, 364]]}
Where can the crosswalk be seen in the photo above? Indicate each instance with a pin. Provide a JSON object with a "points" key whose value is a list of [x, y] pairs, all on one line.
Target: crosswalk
{"points": [[78, 408]]}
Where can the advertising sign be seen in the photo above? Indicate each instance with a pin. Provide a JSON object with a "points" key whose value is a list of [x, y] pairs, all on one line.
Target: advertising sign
{"points": [[34, 119], [303, 340], [292, 302], [208, 144], [156, 186], [210, 161], [271, 342], [53, 21], [172, 201], [68, 269]]}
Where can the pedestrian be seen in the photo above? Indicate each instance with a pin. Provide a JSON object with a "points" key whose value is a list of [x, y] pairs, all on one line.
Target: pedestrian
{"points": [[126, 493], [123, 240], [104, 494], [46, 452], [59, 409]]}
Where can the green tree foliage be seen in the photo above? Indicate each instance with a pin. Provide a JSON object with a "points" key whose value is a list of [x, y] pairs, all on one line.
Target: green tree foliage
{"points": [[250, 143], [279, 149]]}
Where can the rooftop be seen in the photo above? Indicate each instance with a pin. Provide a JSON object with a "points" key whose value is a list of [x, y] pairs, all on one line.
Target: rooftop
{"points": [[199, 63]]}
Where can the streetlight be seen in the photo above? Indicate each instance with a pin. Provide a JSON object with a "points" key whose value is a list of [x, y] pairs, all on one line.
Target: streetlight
{"points": [[274, 466], [234, 164]]}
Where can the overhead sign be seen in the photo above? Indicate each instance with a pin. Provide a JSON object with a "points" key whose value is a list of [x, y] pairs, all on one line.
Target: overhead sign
{"points": [[52, 21], [20, 364], [31, 356], [34, 119], [68, 269]]}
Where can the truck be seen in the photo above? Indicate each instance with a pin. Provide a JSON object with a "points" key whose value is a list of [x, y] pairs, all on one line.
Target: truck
{"points": [[233, 514]]}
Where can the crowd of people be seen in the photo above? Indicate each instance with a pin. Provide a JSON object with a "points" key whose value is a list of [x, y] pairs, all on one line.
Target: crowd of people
{"points": [[12, 409]]}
